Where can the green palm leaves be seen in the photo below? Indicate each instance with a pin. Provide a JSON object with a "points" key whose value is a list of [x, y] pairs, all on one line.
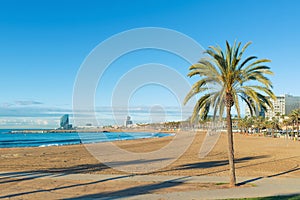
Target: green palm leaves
{"points": [[224, 72]]}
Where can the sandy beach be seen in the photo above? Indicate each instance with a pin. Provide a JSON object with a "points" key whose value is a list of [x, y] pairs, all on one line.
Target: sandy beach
{"points": [[255, 157]]}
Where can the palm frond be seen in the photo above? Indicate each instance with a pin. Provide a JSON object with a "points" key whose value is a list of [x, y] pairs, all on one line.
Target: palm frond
{"points": [[233, 76]]}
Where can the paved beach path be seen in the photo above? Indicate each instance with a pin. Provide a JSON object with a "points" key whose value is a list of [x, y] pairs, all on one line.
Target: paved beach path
{"points": [[26, 185]]}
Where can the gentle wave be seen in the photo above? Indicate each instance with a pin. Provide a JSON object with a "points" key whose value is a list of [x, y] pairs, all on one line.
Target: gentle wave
{"points": [[59, 139]]}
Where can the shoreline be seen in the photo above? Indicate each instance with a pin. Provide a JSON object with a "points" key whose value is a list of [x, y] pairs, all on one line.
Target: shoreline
{"points": [[85, 138]]}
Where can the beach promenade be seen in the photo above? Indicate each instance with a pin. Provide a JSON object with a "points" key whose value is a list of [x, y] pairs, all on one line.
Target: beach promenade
{"points": [[94, 186]]}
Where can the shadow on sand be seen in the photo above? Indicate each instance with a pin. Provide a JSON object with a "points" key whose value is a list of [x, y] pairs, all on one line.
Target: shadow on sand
{"points": [[209, 164], [133, 191], [217, 163], [62, 187], [270, 176]]}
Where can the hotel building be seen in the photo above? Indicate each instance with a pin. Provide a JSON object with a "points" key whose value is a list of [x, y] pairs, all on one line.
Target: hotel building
{"points": [[64, 122], [283, 105]]}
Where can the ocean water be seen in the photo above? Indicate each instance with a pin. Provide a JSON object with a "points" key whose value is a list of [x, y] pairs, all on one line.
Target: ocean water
{"points": [[8, 140]]}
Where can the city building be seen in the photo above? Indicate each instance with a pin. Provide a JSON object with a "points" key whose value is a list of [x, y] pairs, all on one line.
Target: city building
{"points": [[283, 105], [128, 122], [257, 113], [64, 122]]}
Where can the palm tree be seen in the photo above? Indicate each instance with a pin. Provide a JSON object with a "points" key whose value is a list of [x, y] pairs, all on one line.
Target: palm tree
{"points": [[295, 116], [245, 124], [267, 124], [225, 79], [285, 123], [242, 125], [259, 123], [249, 123], [274, 125]]}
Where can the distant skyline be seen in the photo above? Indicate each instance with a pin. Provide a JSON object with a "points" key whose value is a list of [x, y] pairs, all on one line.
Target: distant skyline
{"points": [[44, 43]]}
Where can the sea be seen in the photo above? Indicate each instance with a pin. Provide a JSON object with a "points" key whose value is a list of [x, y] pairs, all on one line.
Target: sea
{"points": [[10, 140]]}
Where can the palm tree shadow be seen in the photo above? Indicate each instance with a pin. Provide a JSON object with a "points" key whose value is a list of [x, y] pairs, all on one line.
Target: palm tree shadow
{"points": [[84, 168], [98, 167], [218, 163], [62, 187], [285, 172], [10, 177], [20, 176], [270, 176], [134, 191], [249, 181], [138, 190]]}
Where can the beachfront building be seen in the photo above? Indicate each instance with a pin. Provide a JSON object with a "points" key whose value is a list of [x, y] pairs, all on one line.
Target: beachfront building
{"points": [[257, 113], [283, 105], [64, 122]]}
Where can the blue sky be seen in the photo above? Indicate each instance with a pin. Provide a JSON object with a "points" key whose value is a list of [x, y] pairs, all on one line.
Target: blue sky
{"points": [[43, 44]]}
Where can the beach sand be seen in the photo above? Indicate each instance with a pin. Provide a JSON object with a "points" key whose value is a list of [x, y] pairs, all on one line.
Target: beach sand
{"points": [[255, 157]]}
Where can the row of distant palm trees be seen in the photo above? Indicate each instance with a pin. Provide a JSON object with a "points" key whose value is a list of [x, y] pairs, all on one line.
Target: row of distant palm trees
{"points": [[285, 123]]}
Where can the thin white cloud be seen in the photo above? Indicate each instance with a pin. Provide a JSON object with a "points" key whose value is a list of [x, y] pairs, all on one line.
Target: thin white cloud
{"points": [[28, 122], [27, 102]]}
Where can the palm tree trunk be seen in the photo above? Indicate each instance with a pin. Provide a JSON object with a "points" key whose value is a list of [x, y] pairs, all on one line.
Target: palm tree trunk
{"points": [[230, 148], [297, 129], [293, 135]]}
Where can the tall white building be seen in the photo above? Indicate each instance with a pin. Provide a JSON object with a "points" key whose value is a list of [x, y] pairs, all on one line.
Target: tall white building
{"points": [[283, 105]]}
